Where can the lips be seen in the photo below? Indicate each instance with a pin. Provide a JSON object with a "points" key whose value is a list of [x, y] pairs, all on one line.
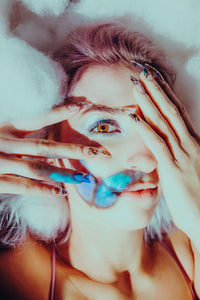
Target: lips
{"points": [[141, 194], [141, 191], [141, 186]]}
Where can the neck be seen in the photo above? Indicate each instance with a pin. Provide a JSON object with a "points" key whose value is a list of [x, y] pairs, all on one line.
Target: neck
{"points": [[104, 254]]}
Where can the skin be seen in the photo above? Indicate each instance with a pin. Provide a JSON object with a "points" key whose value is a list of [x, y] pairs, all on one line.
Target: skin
{"points": [[113, 260], [110, 247], [15, 151], [133, 216]]}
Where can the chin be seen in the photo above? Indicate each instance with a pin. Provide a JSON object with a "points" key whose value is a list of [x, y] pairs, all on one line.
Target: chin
{"points": [[133, 224], [127, 215]]}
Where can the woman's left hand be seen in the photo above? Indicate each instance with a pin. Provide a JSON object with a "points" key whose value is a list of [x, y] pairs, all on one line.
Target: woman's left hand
{"points": [[170, 135]]}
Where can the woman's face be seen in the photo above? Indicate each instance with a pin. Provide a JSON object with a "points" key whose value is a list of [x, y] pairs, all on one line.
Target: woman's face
{"points": [[111, 87]]}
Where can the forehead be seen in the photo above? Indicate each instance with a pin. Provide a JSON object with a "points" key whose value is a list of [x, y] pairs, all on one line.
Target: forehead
{"points": [[108, 86]]}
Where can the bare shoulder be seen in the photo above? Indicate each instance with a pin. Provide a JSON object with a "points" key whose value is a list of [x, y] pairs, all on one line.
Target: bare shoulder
{"points": [[25, 272], [182, 248]]}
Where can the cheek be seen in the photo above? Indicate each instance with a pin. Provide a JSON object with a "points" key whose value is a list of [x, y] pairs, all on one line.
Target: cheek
{"points": [[101, 167], [121, 151]]}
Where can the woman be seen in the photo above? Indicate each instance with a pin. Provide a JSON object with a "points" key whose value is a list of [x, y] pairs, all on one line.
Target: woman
{"points": [[116, 244]]}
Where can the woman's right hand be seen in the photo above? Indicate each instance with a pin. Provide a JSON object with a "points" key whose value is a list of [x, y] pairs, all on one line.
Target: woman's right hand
{"points": [[22, 166]]}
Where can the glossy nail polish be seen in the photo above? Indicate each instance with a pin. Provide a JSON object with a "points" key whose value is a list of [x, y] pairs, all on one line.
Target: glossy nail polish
{"points": [[93, 151], [134, 117], [143, 69], [81, 177], [137, 84], [58, 191], [91, 178], [138, 66], [147, 74], [155, 73], [73, 178]]}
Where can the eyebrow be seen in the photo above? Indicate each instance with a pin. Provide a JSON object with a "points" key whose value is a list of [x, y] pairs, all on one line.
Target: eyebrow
{"points": [[102, 108], [97, 107]]}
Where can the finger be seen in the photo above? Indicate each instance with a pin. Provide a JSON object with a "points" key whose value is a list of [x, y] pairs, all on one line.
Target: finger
{"points": [[154, 142], [50, 148], [23, 186], [157, 121], [170, 94], [40, 170], [54, 116], [168, 109]]}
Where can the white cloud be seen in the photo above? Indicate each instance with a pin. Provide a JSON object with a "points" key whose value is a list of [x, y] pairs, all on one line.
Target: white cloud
{"points": [[42, 7], [29, 81]]}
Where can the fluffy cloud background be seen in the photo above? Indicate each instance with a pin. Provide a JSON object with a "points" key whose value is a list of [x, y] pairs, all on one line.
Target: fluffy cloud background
{"points": [[43, 7], [25, 74]]}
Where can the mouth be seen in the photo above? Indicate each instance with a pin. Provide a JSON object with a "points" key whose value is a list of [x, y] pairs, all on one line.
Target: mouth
{"points": [[141, 193], [141, 186]]}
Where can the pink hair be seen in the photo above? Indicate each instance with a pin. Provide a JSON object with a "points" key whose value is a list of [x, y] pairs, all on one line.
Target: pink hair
{"points": [[108, 44]]}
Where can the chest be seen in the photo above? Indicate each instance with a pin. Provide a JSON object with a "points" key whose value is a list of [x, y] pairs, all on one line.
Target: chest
{"points": [[166, 285]]}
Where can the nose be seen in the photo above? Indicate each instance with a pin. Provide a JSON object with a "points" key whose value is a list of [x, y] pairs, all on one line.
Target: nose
{"points": [[141, 159]]}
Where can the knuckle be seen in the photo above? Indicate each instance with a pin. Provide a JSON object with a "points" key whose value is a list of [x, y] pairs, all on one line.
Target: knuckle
{"points": [[73, 147], [182, 109], [194, 147], [162, 144], [157, 87], [172, 109], [164, 124], [38, 165], [27, 184], [44, 146]]}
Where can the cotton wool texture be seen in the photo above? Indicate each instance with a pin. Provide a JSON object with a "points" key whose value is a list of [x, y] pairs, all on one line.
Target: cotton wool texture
{"points": [[43, 7], [30, 83]]}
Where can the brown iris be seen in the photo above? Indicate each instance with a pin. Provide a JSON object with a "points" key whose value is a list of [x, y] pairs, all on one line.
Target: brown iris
{"points": [[102, 128]]}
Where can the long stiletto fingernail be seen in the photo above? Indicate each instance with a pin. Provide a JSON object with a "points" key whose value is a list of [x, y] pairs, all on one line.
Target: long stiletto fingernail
{"points": [[58, 191], [155, 72], [147, 74], [91, 178], [127, 110], [134, 117], [81, 177], [93, 151], [138, 66], [137, 84], [142, 68]]}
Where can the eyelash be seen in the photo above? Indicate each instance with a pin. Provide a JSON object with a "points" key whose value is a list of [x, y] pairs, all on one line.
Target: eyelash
{"points": [[105, 122]]}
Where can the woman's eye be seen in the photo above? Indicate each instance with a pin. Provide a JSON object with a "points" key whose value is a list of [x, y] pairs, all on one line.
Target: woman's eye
{"points": [[108, 127]]}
